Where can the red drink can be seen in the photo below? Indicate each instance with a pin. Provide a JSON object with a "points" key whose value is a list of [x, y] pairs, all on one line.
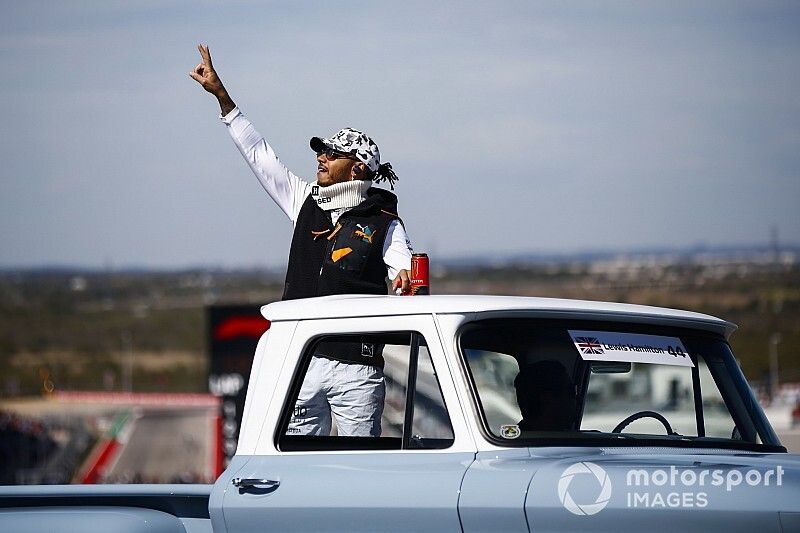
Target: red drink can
{"points": [[420, 278]]}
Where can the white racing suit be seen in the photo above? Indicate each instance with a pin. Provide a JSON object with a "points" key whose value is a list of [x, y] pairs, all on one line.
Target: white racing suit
{"points": [[353, 392]]}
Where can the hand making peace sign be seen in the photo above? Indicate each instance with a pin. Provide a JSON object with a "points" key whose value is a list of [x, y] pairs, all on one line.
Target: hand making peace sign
{"points": [[206, 76]]}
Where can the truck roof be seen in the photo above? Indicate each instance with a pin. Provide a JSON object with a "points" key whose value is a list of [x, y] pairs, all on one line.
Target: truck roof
{"points": [[360, 305]]}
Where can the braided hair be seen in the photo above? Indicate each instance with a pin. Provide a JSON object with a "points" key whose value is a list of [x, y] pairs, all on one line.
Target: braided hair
{"points": [[385, 173]]}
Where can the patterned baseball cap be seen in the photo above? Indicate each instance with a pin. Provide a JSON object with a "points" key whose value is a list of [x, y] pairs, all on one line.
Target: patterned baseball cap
{"points": [[353, 142], [356, 143]]}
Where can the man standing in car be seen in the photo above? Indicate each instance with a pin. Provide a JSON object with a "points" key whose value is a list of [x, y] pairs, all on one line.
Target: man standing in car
{"points": [[347, 238]]}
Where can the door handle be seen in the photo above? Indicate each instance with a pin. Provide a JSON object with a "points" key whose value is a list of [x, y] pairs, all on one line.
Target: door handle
{"points": [[257, 483]]}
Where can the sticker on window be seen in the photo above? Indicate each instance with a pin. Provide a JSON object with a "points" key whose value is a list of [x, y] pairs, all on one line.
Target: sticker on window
{"points": [[630, 347]]}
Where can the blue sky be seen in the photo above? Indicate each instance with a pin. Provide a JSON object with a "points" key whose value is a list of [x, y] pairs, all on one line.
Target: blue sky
{"points": [[514, 127]]}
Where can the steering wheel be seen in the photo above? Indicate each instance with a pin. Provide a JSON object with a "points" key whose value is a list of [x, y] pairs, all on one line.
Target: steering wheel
{"points": [[643, 414]]}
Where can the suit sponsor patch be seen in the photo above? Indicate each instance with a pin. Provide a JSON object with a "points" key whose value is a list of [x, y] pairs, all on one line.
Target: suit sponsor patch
{"points": [[341, 252], [365, 233], [367, 349]]}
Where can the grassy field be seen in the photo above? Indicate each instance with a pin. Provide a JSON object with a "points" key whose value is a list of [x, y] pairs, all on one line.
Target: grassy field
{"points": [[760, 300], [105, 331]]}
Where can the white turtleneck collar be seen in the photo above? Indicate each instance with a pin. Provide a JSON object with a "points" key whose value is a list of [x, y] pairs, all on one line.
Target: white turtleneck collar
{"points": [[341, 196]]}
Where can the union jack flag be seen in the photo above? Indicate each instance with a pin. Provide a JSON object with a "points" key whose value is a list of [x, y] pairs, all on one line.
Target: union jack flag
{"points": [[589, 345]]}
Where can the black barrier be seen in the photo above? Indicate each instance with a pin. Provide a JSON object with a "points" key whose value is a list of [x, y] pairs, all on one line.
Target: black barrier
{"points": [[233, 333]]}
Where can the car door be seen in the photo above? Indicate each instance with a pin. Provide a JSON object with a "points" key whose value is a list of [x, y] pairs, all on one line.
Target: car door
{"points": [[408, 478]]}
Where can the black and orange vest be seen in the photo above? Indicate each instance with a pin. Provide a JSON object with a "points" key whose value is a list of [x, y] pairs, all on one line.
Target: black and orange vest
{"points": [[343, 259]]}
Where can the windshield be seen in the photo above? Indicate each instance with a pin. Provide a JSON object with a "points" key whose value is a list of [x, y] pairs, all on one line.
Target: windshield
{"points": [[548, 380]]}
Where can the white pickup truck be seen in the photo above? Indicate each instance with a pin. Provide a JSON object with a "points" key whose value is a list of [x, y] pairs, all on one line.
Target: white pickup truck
{"points": [[499, 413]]}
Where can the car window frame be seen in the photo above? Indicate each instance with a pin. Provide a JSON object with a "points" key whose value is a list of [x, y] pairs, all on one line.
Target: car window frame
{"points": [[742, 395], [357, 443]]}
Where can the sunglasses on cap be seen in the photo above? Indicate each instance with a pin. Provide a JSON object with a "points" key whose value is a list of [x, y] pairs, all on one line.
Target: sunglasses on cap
{"points": [[331, 154]]}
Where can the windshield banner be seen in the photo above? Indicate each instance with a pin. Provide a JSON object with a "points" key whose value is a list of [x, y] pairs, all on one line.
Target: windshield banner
{"points": [[630, 347]]}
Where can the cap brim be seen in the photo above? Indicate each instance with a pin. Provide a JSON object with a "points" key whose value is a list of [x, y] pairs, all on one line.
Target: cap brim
{"points": [[317, 144]]}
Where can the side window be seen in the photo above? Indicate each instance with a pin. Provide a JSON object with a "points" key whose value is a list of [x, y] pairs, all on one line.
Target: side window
{"points": [[430, 426], [494, 375], [717, 417], [366, 391]]}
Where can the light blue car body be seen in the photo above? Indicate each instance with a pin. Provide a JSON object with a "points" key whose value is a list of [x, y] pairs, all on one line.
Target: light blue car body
{"points": [[475, 486]]}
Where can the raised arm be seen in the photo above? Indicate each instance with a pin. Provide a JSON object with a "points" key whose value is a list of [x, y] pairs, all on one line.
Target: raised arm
{"points": [[286, 189], [205, 75]]}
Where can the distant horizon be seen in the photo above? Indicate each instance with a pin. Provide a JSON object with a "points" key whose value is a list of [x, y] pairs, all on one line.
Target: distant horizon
{"points": [[451, 260]]}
